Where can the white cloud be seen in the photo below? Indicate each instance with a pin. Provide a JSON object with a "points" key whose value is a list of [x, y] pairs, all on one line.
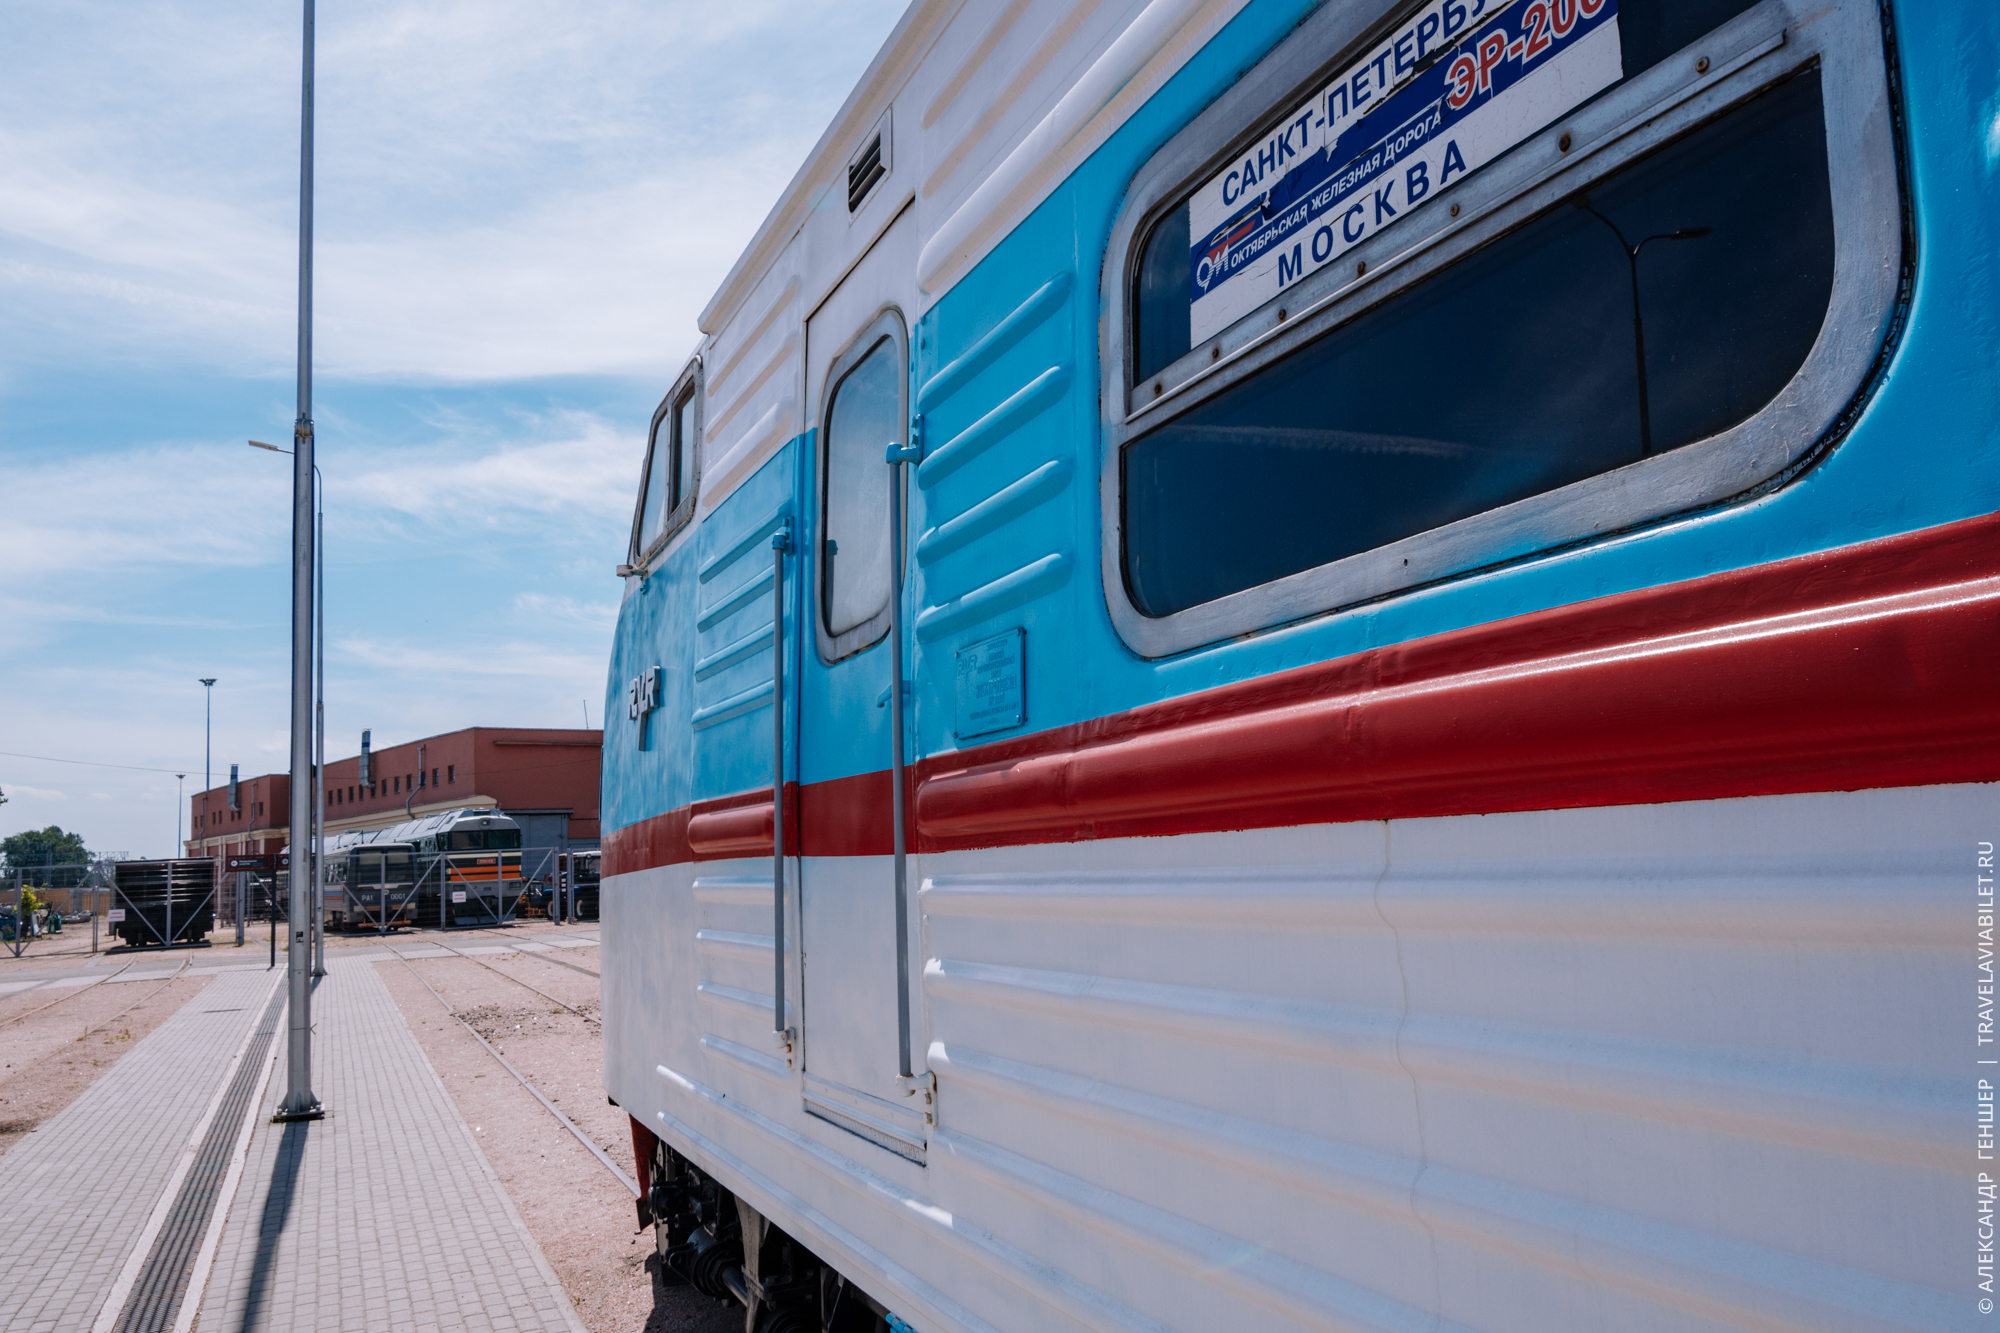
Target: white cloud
{"points": [[503, 189], [583, 467], [513, 658], [508, 192], [600, 616], [143, 508], [16, 790], [213, 506]]}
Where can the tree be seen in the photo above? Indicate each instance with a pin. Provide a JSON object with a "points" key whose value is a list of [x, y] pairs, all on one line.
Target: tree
{"points": [[33, 849]]}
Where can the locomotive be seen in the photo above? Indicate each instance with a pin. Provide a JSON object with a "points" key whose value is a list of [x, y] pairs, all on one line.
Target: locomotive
{"points": [[454, 868]]}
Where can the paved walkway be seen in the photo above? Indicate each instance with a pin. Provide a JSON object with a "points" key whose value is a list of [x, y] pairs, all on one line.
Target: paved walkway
{"points": [[77, 1193], [383, 1216]]}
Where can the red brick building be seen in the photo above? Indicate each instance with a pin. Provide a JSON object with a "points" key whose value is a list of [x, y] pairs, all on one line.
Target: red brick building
{"points": [[257, 825], [546, 779]]}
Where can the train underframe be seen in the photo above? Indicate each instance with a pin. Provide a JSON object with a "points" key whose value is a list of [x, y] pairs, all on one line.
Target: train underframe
{"points": [[710, 1239]]}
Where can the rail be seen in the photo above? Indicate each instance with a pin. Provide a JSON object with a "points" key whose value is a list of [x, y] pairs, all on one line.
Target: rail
{"points": [[604, 1158]]}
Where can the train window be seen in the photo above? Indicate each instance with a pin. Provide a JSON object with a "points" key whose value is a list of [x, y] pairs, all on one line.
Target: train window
{"points": [[684, 445], [1370, 352], [1649, 31], [1725, 241], [472, 840], [669, 483], [864, 414], [1160, 320]]}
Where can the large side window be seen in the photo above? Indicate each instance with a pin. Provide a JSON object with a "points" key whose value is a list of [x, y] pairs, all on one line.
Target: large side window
{"points": [[673, 466], [1417, 334], [1668, 303], [864, 414]]}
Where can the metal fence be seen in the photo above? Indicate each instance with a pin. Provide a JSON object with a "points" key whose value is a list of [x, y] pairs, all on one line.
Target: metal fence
{"points": [[66, 895]]}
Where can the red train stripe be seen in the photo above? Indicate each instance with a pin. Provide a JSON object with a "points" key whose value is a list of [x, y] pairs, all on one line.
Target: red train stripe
{"points": [[1867, 666]]}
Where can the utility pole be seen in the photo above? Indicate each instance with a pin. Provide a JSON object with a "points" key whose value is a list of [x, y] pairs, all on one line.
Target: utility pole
{"points": [[300, 1103]]}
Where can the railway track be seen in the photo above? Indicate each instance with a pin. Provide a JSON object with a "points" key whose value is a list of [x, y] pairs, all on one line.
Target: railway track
{"points": [[603, 1158], [178, 973], [71, 995], [588, 1018]]}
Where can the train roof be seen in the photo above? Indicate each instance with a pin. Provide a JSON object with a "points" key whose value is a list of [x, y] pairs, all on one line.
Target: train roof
{"points": [[446, 821], [353, 838], [947, 94], [409, 832]]}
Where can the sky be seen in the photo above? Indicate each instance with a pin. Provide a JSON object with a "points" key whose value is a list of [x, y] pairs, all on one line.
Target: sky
{"points": [[521, 209]]}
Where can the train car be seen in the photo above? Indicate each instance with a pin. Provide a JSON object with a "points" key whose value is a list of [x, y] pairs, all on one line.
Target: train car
{"points": [[573, 896], [587, 874], [162, 904], [1299, 665], [454, 868], [371, 883], [468, 866]]}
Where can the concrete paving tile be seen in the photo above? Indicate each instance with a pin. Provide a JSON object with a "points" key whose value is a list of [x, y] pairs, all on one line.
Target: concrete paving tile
{"points": [[79, 1190], [394, 1173]]}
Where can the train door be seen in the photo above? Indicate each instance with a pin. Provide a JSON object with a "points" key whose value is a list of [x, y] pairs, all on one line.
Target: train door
{"points": [[858, 382]]}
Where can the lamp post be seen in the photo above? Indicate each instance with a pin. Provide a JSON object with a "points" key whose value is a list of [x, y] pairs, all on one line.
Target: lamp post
{"points": [[299, 1102], [316, 837], [207, 749], [180, 799], [319, 733], [1638, 320]]}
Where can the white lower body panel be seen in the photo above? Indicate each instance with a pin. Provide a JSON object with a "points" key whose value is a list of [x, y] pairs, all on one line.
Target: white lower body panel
{"points": [[1677, 1067]]}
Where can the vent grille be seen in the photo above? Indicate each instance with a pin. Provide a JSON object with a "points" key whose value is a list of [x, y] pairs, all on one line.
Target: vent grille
{"points": [[863, 172]]}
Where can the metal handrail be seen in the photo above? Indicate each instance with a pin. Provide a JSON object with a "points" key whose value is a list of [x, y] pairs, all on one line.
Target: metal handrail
{"points": [[899, 456], [781, 542]]}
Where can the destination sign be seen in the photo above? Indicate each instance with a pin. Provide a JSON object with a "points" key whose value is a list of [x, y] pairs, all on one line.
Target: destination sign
{"points": [[1453, 88], [250, 862]]}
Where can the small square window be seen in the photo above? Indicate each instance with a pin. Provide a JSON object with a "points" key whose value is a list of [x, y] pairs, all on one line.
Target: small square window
{"points": [[672, 471]]}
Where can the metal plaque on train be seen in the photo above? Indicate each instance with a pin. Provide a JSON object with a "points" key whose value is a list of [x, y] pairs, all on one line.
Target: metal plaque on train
{"points": [[1453, 88], [990, 693]]}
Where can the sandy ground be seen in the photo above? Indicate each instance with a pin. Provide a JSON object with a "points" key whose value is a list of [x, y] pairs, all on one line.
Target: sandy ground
{"points": [[582, 1217], [47, 1059]]}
